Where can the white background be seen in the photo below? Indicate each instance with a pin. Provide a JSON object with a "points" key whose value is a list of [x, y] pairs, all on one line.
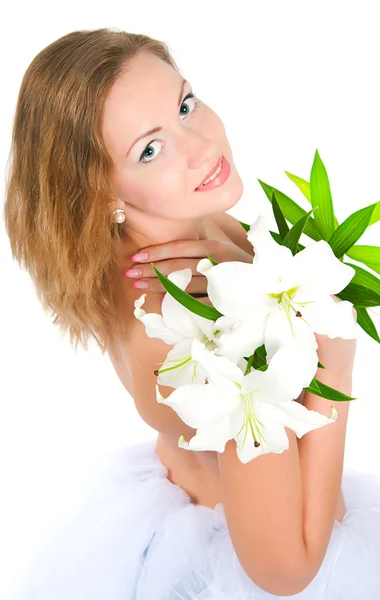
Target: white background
{"points": [[286, 78]]}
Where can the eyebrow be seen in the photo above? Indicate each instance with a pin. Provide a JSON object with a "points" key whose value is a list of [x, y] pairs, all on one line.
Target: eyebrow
{"points": [[155, 129]]}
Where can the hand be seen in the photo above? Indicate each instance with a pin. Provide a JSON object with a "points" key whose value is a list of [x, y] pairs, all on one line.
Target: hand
{"points": [[336, 354], [181, 254]]}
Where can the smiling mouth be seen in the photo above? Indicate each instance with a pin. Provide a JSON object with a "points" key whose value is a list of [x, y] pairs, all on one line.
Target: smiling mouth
{"points": [[214, 173]]}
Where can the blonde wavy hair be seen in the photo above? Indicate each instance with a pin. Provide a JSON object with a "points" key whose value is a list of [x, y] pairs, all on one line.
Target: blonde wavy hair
{"points": [[60, 181]]}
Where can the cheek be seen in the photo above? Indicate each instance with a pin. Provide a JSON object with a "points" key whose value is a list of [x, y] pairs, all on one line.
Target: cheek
{"points": [[211, 125], [157, 190]]}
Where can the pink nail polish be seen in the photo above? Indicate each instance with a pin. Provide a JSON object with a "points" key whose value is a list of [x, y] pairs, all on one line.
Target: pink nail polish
{"points": [[140, 256], [133, 272], [140, 284]]}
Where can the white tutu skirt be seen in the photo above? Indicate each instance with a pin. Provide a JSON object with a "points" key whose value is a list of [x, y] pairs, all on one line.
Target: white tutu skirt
{"points": [[138, 536]]}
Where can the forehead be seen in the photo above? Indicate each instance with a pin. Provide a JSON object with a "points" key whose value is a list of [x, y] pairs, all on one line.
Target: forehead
{"points": [[138, 99]]}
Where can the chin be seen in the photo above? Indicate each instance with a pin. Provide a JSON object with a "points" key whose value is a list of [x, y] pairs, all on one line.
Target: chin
{"points": [[228, 194]]}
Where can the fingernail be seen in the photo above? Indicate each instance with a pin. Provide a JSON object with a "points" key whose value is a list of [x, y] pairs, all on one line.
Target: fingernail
{"points": [[133, 272], [140, 284], [139, 256]]}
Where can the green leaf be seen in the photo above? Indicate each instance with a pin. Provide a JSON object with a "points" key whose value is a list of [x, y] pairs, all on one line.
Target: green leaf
{"points": [[320, 195], [291, 211], [214, 262], [262, 352], [292, 237], [375, 215], [280, 219], [345, 236], [314, 384], [369, 255], [257, 360], [246, 227], [359, 295], [320, 366], [325, 391], [203, 310], [277, 238], [366, 323], [364, 278], [367, 280], [249, 364], [302, 184]]}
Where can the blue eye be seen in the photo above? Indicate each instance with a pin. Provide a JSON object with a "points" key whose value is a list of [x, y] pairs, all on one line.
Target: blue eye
{"points": [[148, 148]]}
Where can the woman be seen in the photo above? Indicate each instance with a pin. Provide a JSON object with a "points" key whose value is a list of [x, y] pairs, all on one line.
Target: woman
{"points": [[110, 153]]}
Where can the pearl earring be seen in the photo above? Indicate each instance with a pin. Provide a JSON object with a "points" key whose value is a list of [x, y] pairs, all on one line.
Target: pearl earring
{"points": [[118, 215]]}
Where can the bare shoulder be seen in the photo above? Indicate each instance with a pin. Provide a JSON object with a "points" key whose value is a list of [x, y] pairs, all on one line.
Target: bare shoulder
{"points": [[135, 357]]}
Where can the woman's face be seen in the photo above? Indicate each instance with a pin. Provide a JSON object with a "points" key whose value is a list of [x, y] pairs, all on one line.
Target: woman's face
{"points": [[156, 176]]}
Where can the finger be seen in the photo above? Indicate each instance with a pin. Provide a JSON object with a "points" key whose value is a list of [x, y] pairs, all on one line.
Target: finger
{"points": [[180, 248], [197, 285], [165, 267]]}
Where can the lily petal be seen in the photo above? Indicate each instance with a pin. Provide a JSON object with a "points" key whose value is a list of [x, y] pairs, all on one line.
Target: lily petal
{"points": [[178, 317], [138, 304], [320, 272], [301, 420], [188, 372], [213, 437], [282, 330], [200, 405], [221, 370], [272, 430], [267, 250], [289, 371], [206, 326], [331, 318], [204, 266], [181, 277], [155, 326], [224, 280], [243, 338]]}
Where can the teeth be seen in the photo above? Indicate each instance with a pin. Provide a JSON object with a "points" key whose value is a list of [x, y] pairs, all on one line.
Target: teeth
{"points": [[213, 176]]}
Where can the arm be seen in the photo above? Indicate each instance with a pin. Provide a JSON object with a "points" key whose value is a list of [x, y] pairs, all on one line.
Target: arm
{"points": [[140, 356], [268, 503], [280, 507]]}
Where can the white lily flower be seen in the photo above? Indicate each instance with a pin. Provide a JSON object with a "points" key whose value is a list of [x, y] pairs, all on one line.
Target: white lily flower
{"points": [[179, 326], [252, 409], [279, 297]]}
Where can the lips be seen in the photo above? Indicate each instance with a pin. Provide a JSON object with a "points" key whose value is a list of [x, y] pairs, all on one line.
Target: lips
{"points": [[211, 172]]}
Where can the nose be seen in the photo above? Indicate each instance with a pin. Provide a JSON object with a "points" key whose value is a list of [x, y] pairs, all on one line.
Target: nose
{"points": [[201, 151]]}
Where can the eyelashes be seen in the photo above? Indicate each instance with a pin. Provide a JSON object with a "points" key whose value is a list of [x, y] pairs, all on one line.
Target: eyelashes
{"points": [[191, 95], [142, 156]]}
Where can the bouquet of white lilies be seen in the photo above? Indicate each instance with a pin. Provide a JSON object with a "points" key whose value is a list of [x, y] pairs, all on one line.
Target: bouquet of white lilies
{"points": [[238, 365]]}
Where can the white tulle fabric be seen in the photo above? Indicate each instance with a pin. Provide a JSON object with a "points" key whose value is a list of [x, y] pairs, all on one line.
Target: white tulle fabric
{"points": [[138, 536]]}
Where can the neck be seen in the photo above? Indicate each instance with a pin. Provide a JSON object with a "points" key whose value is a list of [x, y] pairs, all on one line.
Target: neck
{"points": [[147, 231]]}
